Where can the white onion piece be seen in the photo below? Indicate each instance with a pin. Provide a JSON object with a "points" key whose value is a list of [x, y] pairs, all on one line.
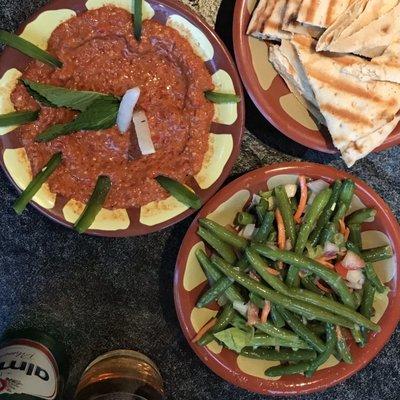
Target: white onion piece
{"points": [[291, 189], [143, 133], [126, 107], [288, 245], [316, 187], [241, 308], [331, 249], [248, 231], [352, 261], [255, 200], [355, 279]]}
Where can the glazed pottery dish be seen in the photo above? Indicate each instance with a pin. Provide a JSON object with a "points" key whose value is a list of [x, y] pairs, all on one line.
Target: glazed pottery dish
{"points": [[117, 117], [287, 280], [320, 75]]}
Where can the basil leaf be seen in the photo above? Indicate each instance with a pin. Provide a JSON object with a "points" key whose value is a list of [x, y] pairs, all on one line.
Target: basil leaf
{"points": [[137, 18], [234, 338], [29, 49], [63, 97], [18, 118], [40, 99], [101, 114]]}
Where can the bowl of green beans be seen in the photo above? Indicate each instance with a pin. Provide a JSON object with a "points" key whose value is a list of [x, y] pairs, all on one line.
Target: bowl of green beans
{"points": [[286, 281]]}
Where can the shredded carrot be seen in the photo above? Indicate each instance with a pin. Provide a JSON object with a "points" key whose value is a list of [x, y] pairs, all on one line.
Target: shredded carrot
{"points": [[323, 287], [325, 262], [303, 199], [281, 230], [342, 226], [272, 271], [346, 233], [204, 329], [265, 312]]}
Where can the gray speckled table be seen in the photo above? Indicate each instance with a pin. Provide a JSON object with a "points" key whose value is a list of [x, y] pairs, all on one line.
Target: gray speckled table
{"points": [[106, 294]]}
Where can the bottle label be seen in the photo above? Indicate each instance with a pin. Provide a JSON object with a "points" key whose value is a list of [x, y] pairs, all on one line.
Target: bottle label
{"points": [[29, 369]]}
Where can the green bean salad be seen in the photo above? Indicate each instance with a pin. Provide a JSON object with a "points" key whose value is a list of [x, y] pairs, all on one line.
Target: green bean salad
{"points": [[291, 277]]}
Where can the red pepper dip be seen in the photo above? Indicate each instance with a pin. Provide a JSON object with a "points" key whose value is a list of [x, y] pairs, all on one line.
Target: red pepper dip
{"points": [[99, 53]]}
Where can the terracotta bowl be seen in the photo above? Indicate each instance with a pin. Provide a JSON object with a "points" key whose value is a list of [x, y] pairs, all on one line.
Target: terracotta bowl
{"points": [[226, 130], [270, 93], [190, 282]]}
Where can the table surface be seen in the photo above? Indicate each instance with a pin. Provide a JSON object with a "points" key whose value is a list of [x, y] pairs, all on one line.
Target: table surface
{"points": [[105, 294]]}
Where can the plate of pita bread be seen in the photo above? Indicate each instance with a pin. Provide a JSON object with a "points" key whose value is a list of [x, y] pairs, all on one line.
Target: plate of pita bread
{"points": [[325, 73]]}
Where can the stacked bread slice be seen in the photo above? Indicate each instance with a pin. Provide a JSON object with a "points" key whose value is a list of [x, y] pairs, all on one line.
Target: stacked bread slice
{"points": [[341, 59]]}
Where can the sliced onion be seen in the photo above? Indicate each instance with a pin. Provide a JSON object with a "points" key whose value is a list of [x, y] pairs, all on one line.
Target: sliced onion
{"points": [[316, 187], [248, 231], [291, 189], [255, 200], [126, 107], [352, 261], [240, 307], [330, 250], [143, 133], [355, 279], [288, 245]]}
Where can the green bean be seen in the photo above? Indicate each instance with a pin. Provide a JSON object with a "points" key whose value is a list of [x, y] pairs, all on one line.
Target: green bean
{"points": [[294, 203], [326, 215], [310, 219], [367, 300], [360, 216], [276, 317], [329, 348], [309, 284], [261, 267], [36, 183], [327, 233], [257, 300], [272, 236], [286, 211], [263, 340], [373, 278], [263, 231], [266, 195], [231, 293], [222, 248], [273, 331], [291, 369], [224, 234], [281, 355], [302, 331], [333, 306], [261, 209], [223, 321], [292, 277], [220, 98], [344, 201], [329, 276], [244, 218], [377, 254], [358, 336], [214, 292], [308, 310], [358, 295], [316, 327], [355, 235], [94, 205], [239, 322], [342, 348]]}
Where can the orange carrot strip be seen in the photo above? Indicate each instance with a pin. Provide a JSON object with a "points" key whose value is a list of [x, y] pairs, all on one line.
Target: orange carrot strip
{"points": [[303, 199], [265, 312], [346, 233], [272, 271], [281, 230], [323, 287], [342, 226], [325, 262], [204, 329]]}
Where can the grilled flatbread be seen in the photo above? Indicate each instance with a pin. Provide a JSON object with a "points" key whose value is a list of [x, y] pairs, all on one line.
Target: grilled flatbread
{"points": [[344, 99], [321, 13], [384, 68], [266, 21], [366, 28]]}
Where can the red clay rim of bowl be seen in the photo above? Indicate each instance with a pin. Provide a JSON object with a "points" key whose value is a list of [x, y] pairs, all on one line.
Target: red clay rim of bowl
{"points": [[222, 59], [266, 103], [226, 366]]}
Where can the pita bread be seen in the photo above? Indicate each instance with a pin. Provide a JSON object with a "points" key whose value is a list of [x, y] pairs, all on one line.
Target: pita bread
{"points": [[266, 21], [344, 99], [285, 60], [366, 28], [384, 68], [321, 13]]}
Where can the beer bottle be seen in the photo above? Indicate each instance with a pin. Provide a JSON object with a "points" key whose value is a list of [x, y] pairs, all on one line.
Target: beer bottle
{"points": [[33, 366], [121, 375]]}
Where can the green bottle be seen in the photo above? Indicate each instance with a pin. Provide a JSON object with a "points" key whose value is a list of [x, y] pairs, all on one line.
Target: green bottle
{"points": [[33, 365]]}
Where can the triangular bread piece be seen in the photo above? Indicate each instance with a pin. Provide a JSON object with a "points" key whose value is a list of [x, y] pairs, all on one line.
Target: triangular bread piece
{"points": [[359, 115], [384, 68], [266, 21], [321, 13], [366, 28]]}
